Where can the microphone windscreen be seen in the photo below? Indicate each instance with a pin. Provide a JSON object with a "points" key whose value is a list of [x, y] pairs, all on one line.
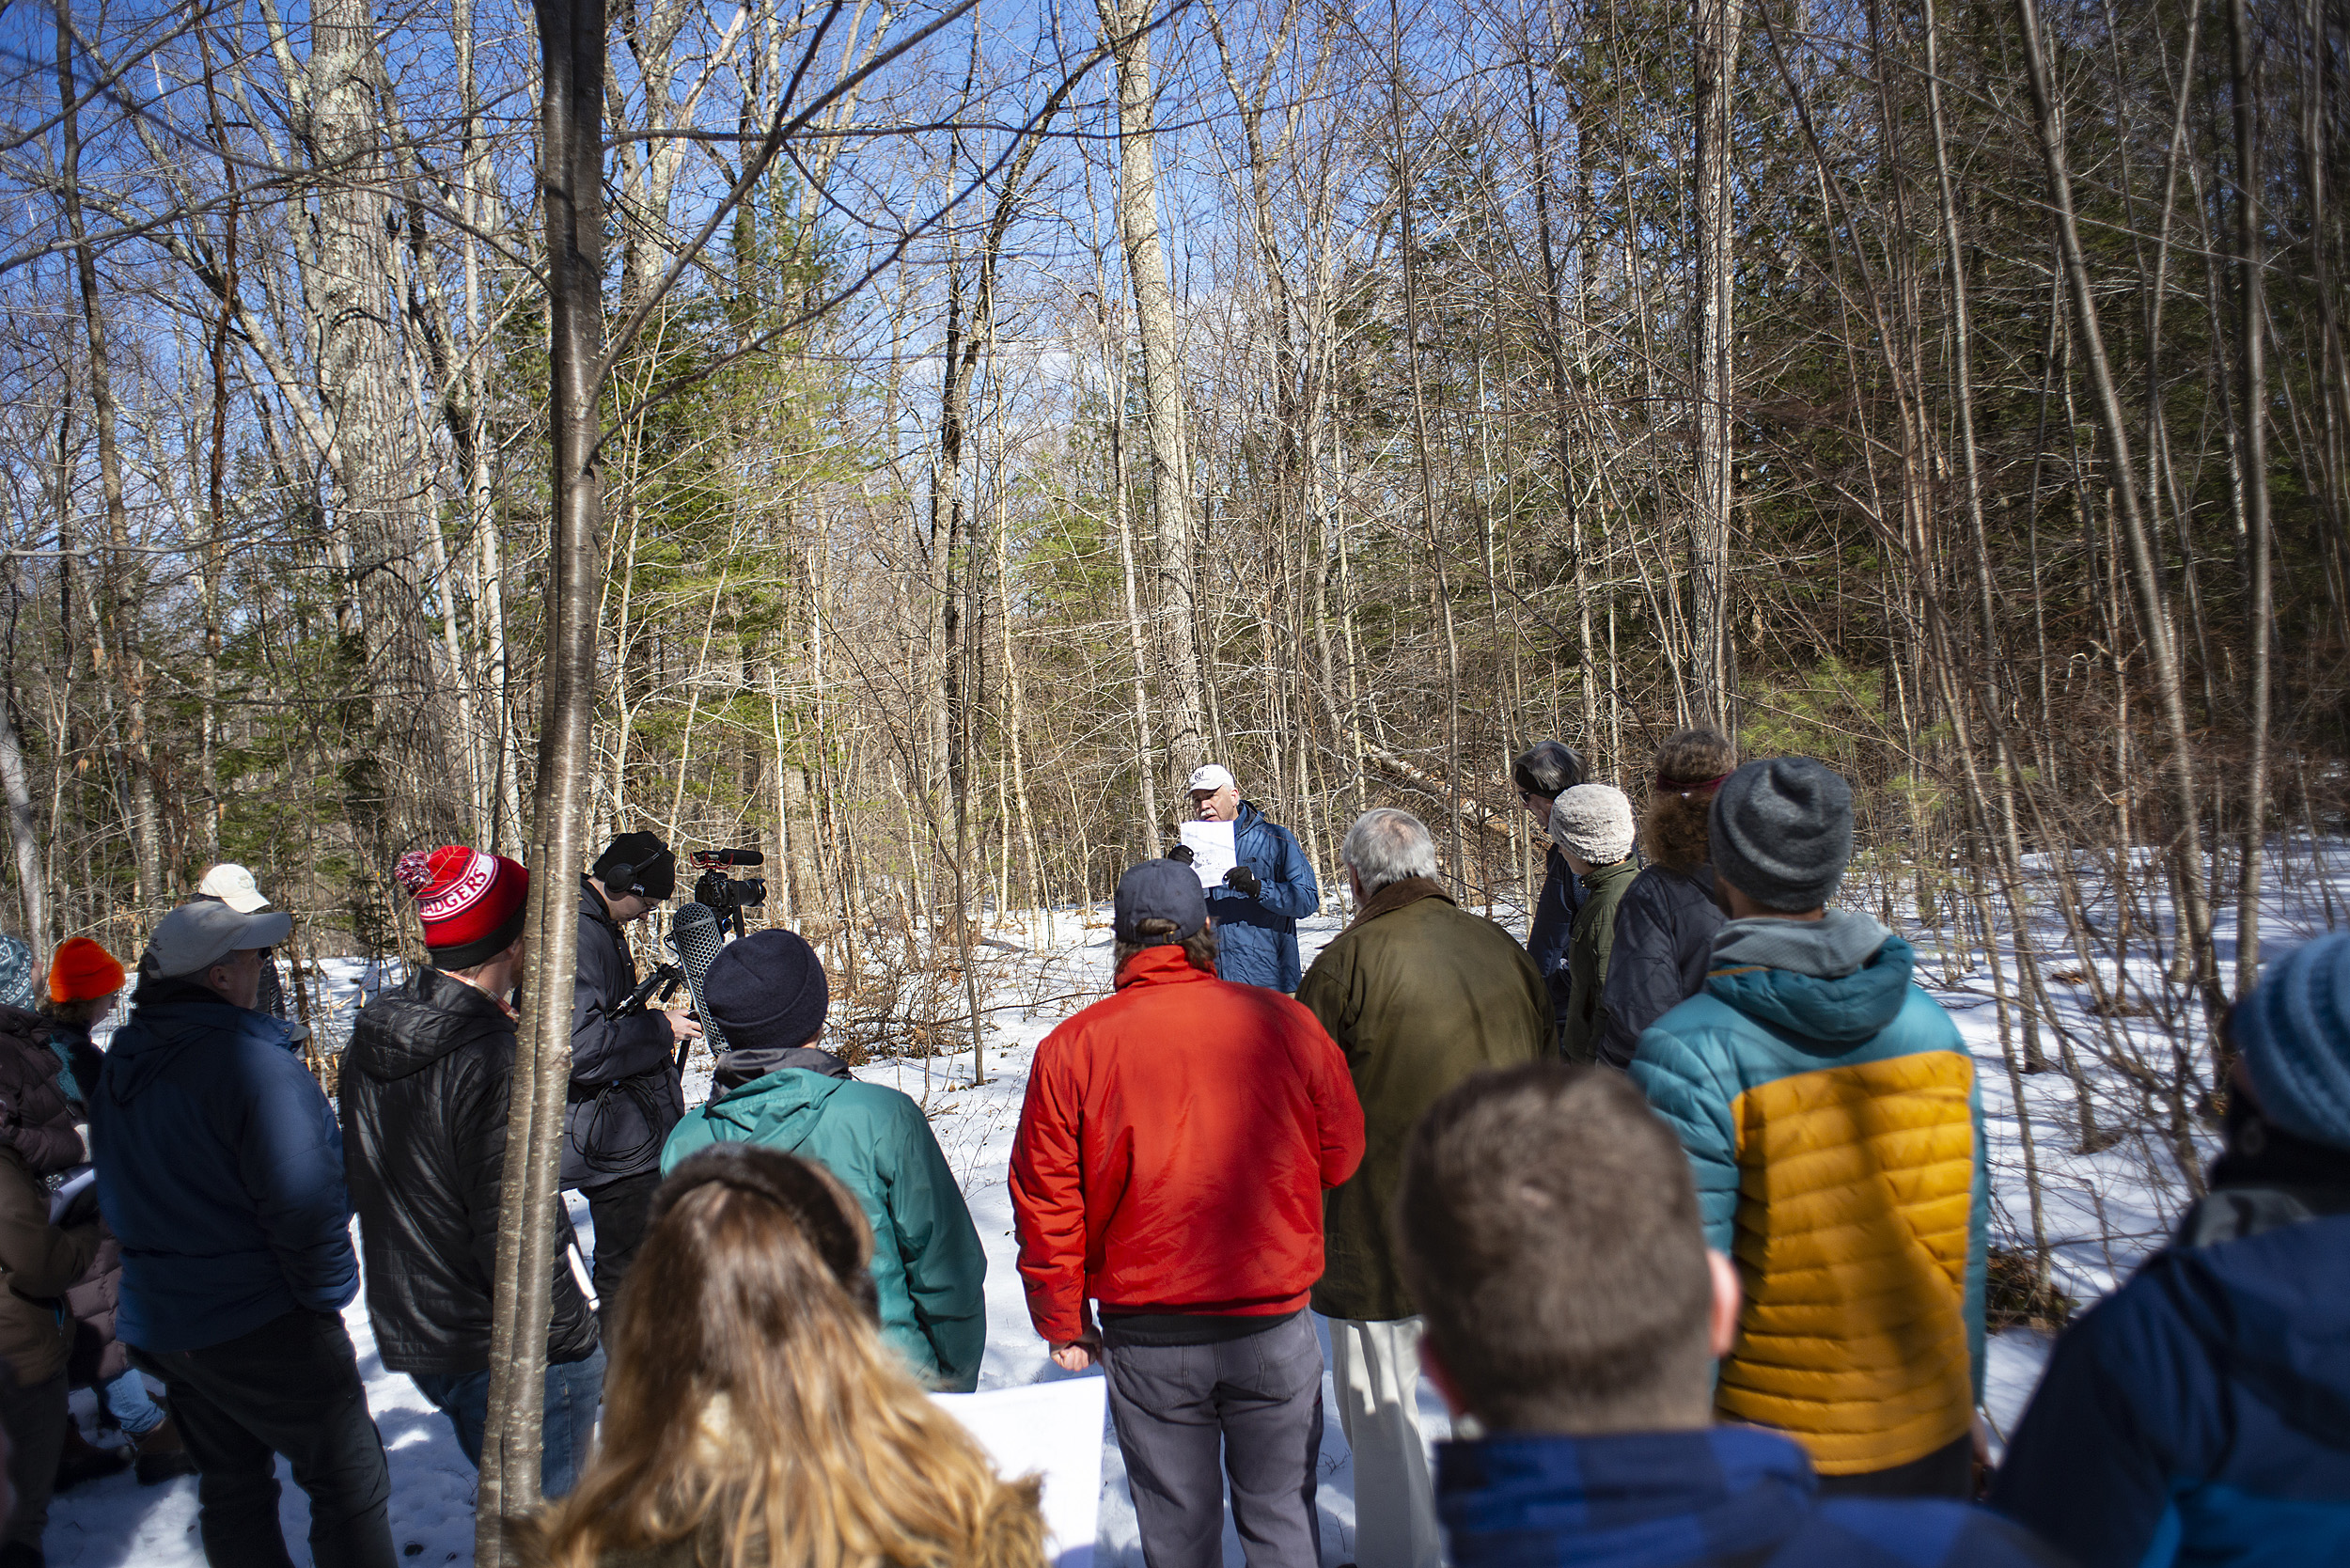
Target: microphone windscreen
{"points": [[696, 934]]}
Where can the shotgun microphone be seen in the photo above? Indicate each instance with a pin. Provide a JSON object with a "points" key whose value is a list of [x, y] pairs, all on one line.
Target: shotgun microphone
{"points": [[693, 930]]}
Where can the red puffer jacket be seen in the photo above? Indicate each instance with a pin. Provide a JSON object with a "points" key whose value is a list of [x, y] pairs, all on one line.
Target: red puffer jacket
{"points": [[1174, 1148]]}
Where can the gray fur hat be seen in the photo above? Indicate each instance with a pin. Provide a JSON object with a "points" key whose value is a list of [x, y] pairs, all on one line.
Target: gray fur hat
{"points": [[1592, 823]]}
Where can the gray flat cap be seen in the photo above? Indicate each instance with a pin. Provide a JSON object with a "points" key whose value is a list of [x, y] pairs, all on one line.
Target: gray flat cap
{"points": [[195, 936]]}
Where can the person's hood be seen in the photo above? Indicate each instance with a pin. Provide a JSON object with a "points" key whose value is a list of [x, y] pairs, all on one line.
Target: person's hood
{"points": [[2274, 1307], [737, 1067], [420, 1021], [1620, 1501], [17, 1022], [1839, 979], [1160, 964], [27, 1035], [173, 1016], [778, 1111], [1245, 820]]}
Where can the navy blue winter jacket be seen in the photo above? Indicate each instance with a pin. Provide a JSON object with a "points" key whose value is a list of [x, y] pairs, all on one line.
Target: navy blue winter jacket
{"points": [[2200, 1414], [1732, 1496], [221, 1169], [1257, 938], [1554, 926]]}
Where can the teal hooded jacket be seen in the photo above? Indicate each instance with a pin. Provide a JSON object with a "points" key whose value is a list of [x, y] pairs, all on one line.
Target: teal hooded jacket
{"points": [[928, 1268], [1834, 1124]]}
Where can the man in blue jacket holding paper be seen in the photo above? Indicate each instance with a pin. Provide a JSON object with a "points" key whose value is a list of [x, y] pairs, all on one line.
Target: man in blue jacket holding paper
{"points": [[1267, 889], [220, 1166]]}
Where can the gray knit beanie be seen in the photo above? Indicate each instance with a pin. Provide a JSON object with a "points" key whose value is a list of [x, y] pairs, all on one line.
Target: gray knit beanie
{"points": [[1592, 823], [1782, 832]]}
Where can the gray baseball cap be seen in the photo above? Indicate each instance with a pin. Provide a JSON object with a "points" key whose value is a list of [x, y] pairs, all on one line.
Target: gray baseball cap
{"points": [[195, 936]]}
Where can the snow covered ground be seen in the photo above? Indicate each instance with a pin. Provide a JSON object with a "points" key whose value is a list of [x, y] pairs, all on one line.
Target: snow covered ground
{"points": [[2103, 1210]]}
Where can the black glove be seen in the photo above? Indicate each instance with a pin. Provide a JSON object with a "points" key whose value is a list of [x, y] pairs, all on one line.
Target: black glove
{"points": [[1181, 853], [1242, 880]]}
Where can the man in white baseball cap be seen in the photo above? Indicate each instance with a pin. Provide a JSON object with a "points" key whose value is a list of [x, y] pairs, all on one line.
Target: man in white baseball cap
{"points": [[1269, 885], [232, 885], [220, 1166]]}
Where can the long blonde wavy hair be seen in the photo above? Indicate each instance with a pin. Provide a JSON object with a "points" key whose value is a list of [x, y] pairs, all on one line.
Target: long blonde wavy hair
{"points": [[752, 1413]]}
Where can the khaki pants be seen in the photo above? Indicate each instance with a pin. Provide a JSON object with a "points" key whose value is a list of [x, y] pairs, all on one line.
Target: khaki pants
{"points": [[1376, 1368]]}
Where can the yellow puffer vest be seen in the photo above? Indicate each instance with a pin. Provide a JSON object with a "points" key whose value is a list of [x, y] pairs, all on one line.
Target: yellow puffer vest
{"points": [[1834, 1127]]}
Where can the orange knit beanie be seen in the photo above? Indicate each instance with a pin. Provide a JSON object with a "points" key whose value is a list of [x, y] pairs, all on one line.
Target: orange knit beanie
{"points": [[82, 971]]}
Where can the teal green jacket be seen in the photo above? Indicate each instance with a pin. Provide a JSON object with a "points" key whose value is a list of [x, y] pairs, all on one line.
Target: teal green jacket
{"points": [[928, 1268], [1834, 1123]]}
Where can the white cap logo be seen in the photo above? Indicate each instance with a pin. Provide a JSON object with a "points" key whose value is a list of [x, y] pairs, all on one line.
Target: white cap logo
{"points": [[1213, 776], [480, 870]]}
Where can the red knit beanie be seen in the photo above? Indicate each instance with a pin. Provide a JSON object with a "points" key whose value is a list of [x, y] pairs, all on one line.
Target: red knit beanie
{"points": [[473, 904], [82, 971]]}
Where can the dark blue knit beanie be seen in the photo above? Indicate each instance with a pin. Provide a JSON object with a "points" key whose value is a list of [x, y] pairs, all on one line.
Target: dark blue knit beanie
{"points": [[767, 991], [2294, 1030]]}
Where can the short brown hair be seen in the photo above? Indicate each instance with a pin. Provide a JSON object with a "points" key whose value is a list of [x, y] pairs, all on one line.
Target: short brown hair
{"points": [[1547, 1227], [1199, 947]]}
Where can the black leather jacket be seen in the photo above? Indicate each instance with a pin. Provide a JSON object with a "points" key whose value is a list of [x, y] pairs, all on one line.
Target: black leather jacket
{"points": [[425, 1089]]}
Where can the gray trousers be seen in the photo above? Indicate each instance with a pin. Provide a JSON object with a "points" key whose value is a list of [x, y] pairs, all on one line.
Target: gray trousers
{"points": [[1188, 1417]]}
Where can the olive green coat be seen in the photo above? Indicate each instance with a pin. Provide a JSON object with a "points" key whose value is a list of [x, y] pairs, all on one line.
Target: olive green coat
{"points": [[1419, 995], [1587, 959]]}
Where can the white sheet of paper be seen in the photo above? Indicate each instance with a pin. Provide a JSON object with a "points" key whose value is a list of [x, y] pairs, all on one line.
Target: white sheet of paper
{"points": [[1053, 1430], [1212, 853]]}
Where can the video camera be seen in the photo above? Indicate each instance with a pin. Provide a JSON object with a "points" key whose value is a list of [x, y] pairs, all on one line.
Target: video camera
{"points": [[727, 896]]}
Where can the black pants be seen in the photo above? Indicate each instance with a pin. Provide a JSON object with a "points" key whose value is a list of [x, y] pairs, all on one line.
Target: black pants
{"points": [[291, 1387], [34, 1419], [1949, 1471], [621, 1209], [1190, 1417]]}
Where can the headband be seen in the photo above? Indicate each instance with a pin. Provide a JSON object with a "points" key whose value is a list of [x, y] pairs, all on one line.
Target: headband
{"points": [[826, 1225], [1690, 786]]}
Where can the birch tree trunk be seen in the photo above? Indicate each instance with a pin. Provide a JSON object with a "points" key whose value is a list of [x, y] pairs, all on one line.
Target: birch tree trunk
{"points": [[1125, 26], [1711, 676], [570, 163], [23, 830]]}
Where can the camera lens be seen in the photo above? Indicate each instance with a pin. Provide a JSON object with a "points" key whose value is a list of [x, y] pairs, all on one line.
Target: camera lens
{"points": [[750, 890]]}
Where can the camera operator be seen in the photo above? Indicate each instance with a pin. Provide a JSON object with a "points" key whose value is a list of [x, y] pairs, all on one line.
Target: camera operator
{"points": [[625, 1093]]}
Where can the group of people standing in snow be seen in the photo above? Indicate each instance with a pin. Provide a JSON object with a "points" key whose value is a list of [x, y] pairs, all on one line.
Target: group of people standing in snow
{"points": [[1680, 1209]]}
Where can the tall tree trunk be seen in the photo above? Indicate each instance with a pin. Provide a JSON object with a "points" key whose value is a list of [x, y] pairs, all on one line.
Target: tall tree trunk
{"points": [[2145, 571], [1126, 28], [120, 592], [1711, 675], [23, 830], [570, 162], [2260, 608], [402, 785]]}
